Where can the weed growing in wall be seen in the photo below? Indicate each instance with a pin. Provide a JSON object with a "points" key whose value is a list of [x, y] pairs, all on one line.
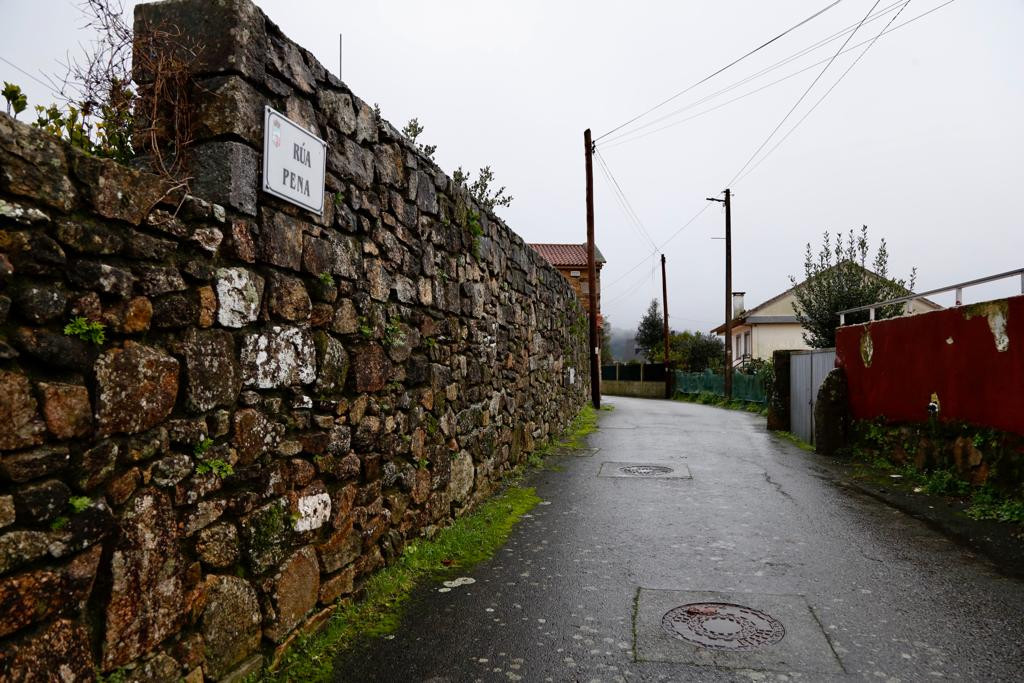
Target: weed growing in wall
{"points": [[203, 446], [476, 230], [218, 466], [364, 327], [412, 130], [86, 330], [481, 189], [393, 334], [16, 100]]}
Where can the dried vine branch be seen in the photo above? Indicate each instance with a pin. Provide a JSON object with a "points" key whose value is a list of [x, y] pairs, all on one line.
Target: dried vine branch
{"points": [[136, 87]]}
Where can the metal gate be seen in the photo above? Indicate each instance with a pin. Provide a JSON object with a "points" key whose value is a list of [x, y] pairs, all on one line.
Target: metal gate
{"points": [[807, 370]]}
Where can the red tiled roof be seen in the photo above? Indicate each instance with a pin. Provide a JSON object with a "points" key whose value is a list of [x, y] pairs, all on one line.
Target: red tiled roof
{"points": [[566, 255]]}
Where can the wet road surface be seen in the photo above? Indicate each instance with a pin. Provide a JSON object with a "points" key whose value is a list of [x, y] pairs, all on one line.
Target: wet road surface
{"points": [[835, 585]]}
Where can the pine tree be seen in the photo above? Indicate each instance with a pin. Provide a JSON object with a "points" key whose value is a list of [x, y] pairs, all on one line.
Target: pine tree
{"points": [[650, 330]]}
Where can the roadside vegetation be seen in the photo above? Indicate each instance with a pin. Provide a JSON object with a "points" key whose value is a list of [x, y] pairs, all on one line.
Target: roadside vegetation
{"points": [[978, 468], [385, 595], [709, 399], [795, 440], [979, 502]]}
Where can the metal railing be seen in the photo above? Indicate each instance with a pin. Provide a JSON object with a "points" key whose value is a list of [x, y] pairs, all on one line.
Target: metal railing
{"points": [[959, 287]]}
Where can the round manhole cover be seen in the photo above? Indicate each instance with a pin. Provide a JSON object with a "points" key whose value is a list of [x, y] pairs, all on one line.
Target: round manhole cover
{"points": [[646, 470], [721, 626]]}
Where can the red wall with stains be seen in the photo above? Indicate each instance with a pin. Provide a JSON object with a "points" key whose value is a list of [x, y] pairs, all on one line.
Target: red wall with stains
{"points": [[971, 356]]}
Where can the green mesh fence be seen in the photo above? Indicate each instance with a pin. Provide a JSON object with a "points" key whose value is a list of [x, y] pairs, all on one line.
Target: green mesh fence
{"points": [[744, 387]]}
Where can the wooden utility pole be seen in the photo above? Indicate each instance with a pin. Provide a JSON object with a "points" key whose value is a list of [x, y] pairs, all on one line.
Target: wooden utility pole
{"points": [[728, 290], [664, 298], [595, 344]]}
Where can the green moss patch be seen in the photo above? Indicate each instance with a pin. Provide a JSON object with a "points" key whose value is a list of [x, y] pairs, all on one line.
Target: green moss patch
{"points": [[573, 438], [795, 440]]}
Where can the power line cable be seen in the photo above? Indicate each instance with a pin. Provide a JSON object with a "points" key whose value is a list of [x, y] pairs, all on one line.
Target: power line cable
{"points": [[626, 274], [671, 237], [624, 202], [822, 98], [622, 295], [685, 225], [710, 76], [34, 78], [631, 269], [754, 76], [645, 277], [617, 141], [801, 99], [630, 218]]}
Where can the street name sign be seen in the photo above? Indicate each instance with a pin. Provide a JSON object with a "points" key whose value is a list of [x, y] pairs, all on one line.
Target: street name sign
{"points": [[294, 162]]}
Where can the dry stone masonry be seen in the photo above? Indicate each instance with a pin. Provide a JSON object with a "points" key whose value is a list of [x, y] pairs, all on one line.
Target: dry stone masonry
{"points": [[280, 400]]}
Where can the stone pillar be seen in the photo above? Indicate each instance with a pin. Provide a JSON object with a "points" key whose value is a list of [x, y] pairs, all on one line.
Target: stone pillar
{"points": [[242, 63], [832, 414], [230, 41]]}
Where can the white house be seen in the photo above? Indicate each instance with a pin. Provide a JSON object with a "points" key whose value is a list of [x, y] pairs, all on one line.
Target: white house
{"points": [[772, 325]]}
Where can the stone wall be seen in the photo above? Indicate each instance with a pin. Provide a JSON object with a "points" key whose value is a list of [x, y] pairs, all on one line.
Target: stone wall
{"points": [[280, 401]]}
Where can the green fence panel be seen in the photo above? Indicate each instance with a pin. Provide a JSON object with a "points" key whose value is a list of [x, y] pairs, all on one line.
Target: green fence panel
{"points": [[744, 387], [747, 387]]}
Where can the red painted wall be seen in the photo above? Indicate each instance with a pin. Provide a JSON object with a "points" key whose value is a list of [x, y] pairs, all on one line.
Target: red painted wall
{"points": [[953, 353]]}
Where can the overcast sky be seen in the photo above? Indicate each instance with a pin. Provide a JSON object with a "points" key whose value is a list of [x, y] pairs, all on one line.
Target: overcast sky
{"points": [[922, 140]]}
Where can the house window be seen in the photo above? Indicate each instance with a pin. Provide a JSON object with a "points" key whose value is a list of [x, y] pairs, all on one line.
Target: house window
{"points": [[585, 286], [747, 351], [574, 273]]}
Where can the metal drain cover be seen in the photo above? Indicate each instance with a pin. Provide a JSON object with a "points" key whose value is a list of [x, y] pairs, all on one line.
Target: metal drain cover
{"points": [[645, 470], [732, 631], [723, 626]]}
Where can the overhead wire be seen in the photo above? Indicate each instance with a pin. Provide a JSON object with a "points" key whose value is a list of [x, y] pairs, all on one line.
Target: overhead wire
{"points": [[622, 277], [639, 283], [626, 205], [843, 49], [624, 202], [712, 75], [822, 98], [661, 246], [800, 99], [607, 144], [34, 78]]}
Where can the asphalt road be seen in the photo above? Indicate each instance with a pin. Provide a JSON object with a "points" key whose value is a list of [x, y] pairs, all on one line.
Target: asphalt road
{"points": [[835, 585]]}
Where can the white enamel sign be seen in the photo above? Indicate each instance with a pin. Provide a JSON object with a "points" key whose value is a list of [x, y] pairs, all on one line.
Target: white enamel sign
{"points": [[294, 162]]}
